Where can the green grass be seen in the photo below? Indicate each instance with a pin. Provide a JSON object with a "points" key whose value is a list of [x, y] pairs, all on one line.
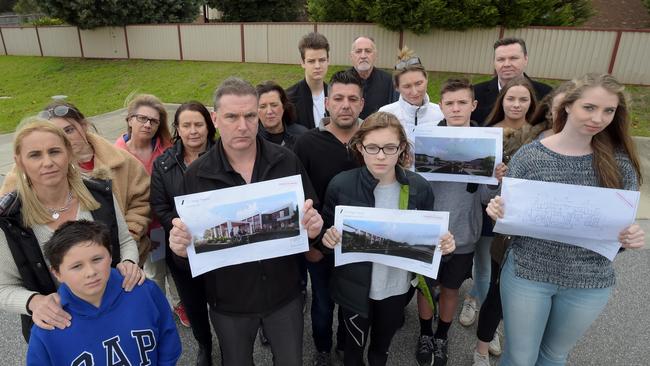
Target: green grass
{"points": [[100, 86]]}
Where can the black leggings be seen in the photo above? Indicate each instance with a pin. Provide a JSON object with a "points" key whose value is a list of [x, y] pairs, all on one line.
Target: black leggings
{"points": [[491, 312], [385, 318]]}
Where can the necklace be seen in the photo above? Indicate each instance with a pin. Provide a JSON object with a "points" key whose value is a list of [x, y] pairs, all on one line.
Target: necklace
{"points": [[56, 212]]}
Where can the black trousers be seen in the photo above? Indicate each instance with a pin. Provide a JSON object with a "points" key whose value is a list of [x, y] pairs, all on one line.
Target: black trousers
{"points": [[385, 318], [192, 294], [491, 312], [283, 328]]}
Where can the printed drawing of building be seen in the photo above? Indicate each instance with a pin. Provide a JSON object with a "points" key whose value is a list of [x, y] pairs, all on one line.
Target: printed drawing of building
{"points": [[284, 217]]}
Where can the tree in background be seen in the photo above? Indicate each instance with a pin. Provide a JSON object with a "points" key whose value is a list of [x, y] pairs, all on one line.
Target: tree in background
{"points": [[26, 7], [92, 14], [6, 5], [420, 16], [256, 10]]}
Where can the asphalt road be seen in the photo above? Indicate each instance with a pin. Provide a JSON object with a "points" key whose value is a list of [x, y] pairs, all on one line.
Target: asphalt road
{"points": [[620, 336]]}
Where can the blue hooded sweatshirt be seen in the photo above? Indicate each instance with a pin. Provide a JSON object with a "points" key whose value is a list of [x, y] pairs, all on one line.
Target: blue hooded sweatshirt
{"points": [[129, 328]]}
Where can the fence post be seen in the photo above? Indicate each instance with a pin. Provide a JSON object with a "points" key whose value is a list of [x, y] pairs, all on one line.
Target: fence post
{"points": [[612, 60], [3, 42], [501, 32], [315, 27], [401, 39], [81, 46], [126, 40], [38, 38], [180, 42], [243, 44]]}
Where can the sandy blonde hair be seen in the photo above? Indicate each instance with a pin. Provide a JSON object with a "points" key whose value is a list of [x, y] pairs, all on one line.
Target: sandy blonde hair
{"points": [[403, 55], [616, 136]]}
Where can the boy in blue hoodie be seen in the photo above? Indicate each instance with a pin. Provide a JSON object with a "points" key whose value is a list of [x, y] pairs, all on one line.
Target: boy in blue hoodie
{"points": [[109, 326]]}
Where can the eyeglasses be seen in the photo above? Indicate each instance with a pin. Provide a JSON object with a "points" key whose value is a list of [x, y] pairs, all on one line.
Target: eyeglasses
{"points": [[58, 111], [141, 118], [406, 63], [374, 149]]}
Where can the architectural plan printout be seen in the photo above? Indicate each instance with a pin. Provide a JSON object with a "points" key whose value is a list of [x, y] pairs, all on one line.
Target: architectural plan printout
{"points": [[589, 217], [406, 239], [244, 223], [457, 154]]}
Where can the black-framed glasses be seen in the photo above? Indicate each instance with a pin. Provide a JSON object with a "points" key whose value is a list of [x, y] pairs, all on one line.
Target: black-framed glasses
{"points": [[58, 111], [141, 118], [387, 149], [406, 63]]}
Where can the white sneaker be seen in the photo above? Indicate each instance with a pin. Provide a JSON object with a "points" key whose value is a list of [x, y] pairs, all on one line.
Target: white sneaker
{"points": [[467, 315], [495, 345], [481, 360]]}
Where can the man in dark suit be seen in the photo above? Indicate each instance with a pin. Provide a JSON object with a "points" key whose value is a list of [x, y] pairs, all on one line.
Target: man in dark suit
{"points": [[378, 88], [510, 61], [308, 95]]}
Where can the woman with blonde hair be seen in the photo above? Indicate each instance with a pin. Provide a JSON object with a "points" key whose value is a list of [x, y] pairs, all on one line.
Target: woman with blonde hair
{"points": [[50, 191], [558, 289], [414, 107], [97, 158]]}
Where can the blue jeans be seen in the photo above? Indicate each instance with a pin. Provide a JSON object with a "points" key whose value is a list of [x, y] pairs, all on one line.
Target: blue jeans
{"points": [[544, 321], [482, 265], [322, 305]]}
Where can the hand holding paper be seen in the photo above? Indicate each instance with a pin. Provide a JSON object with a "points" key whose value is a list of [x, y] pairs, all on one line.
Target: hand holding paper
{"points": [[447, 243], [179, 238], [311, 220], [331, 237], [633, 237], [495, 208]]}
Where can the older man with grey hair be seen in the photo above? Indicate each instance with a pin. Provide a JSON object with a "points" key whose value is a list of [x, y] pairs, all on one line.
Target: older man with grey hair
{"points": [[378, 88], [266, 293]]}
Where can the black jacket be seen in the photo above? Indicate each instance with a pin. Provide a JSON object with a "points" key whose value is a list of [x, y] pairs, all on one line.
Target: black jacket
{"points": [[254, 288], [167, 183], [486, 94], [300, 95], [378, 90], [289, 136], [350, 283], [26, 251]]}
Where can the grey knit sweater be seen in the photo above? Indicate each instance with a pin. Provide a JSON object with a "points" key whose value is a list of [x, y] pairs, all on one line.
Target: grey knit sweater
{"points": [[550, 261]]}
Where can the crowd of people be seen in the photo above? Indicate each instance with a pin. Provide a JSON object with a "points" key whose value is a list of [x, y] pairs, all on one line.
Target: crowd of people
{"points": [[89, 230]]}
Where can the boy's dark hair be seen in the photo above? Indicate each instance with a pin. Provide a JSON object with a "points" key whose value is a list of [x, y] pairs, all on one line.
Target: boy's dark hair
{"points": [[72, 233], [313, 41], [452, 85], [345, 77], [511, 40]]}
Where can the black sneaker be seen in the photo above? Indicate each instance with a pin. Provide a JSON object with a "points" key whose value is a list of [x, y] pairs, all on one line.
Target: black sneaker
{"points": [[439, 352], [424, 350]]}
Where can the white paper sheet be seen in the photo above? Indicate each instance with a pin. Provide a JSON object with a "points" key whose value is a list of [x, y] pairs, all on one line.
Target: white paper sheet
{"points": [[589, 217], [457, 154], [406, 239], [244, 223], [157, 235]]}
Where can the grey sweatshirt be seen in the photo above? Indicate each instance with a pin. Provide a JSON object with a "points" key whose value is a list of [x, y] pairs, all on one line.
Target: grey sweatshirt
{"points": [[465, 212]]}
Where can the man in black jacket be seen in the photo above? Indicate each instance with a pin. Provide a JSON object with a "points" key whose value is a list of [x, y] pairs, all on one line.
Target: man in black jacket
{"points": [[324, 153], [267, 292], [377, 85], [510, 61], [308, 95]]}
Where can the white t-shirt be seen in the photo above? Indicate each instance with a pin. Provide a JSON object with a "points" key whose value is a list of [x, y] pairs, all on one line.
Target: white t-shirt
{"points": [[388, 281], [318, 106]]}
